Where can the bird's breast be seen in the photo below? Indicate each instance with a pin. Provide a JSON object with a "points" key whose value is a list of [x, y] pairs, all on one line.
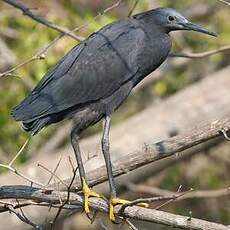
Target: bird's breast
{"points": [[151, 55]]}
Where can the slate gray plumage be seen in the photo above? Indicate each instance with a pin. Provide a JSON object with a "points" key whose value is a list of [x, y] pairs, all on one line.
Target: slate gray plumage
{"points": [[97, 75]]}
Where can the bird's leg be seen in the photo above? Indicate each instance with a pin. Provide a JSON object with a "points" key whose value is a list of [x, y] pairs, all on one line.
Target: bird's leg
{"points": [[87, 192], [105, 149]]}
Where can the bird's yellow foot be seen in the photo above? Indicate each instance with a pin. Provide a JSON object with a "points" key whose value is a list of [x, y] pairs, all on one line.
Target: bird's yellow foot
{"points": [[87, 192], [115, 201]]}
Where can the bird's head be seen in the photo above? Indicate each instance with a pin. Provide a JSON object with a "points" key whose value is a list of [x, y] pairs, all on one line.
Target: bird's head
{"points": [[171, 20]]}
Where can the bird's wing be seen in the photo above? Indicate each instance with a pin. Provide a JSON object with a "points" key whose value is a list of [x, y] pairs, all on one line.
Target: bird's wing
{"points": [[60, 68], [92, 70]]}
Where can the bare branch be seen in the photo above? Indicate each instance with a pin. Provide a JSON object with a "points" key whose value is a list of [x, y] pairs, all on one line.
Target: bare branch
{"points": [[149, 153], [68, 197], [24, 219], [115, 5], [21, 175], [144, 214], [53, 174], [154, 152], [131, 225], [191, 195], [225, 2], [54, 171], [225, 134], [102, 225], [27, 11], [142, 201], [203, 54], [41, 53], [14, 170], [19, 152], [74, 170], [8, 72], [133, 8]]}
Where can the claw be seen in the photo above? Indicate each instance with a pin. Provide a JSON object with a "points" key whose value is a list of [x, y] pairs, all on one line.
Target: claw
{"points": [[143, 205], [87, 192], [114, 201]]}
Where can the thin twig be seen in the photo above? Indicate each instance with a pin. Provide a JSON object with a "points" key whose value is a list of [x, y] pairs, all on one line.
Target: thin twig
{"points": [[67, 199], [41, 53], [71, 164], [225, 134], [225, 2], [21, 175], [27, 11], [203, 54], [52, 175], [8, 72], [55, 170], [16, 204], [115, 5], [24, 219], [193, 194], [178, 194], [149, 201], [131, 225], [133, 8], [102, 225], [74, 171], [14, 170], [19, 152]]}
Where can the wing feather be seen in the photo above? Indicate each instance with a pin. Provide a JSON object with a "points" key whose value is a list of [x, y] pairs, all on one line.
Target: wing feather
{"points": [[92, 70]]}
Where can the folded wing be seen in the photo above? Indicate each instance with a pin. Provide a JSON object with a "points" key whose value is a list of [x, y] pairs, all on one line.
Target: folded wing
{"points": [[92, 70]]}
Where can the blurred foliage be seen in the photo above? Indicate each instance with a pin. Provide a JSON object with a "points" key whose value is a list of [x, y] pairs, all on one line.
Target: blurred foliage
{"points": [[29, 37]]}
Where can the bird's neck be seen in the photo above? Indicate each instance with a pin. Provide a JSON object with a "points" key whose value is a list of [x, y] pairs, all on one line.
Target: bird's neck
{"points": [[154, 53]]}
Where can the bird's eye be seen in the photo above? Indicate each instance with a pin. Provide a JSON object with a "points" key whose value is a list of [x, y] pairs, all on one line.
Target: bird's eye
{"points": [[171, 18]]}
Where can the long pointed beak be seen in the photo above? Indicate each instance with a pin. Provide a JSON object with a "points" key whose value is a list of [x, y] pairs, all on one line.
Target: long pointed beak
{"points": [[195, 27]]}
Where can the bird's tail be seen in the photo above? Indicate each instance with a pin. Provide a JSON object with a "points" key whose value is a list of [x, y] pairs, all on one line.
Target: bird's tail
{"points": [[22, 112], [35, 126]]}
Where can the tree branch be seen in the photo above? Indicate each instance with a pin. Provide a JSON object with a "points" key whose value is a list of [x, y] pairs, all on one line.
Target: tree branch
{"points": [[10, 167], [134, 212], [191, 195], [133, 7], [39, 19], [40, 55], [203, 54], [23, 218], [154, 152], [225, 2], [149, 153]]}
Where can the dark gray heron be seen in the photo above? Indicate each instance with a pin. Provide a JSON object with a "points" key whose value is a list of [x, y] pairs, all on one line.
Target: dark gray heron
{"points": [[92, 80]]}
